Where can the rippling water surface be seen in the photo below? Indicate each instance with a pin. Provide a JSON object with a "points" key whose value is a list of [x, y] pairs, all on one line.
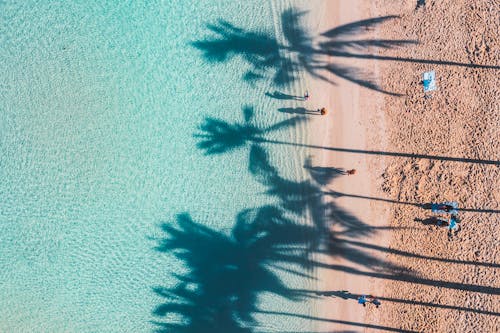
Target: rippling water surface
{"points": [[104, 111]]}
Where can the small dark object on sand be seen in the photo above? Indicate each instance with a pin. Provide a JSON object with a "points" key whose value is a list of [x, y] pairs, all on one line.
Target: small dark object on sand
{"points": [[350, 172]]}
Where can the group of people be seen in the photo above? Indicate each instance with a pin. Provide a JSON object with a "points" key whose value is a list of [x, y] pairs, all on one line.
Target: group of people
{"points": [[363, 299], [452, 222], [453, 227], [322, 111]]}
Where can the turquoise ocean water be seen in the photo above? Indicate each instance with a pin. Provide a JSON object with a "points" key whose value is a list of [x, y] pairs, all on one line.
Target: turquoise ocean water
{"points": [[101, 103]]}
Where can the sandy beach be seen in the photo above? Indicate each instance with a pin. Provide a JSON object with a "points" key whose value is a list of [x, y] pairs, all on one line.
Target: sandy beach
{"points": [[409, 150], [163, 169]]}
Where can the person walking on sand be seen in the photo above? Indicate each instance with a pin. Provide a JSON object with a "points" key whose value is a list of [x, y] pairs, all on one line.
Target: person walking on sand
{"points": [[375, 301], [362, 300], [453, 227]]}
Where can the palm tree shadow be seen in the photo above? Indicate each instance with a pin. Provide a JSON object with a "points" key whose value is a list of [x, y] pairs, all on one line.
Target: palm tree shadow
{"points": [[305, 198], [225, 273], [260, 50], [269, 58], [217, 136]]}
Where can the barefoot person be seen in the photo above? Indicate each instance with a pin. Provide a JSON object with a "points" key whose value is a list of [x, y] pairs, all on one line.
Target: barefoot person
{"points": [[306, 95]]}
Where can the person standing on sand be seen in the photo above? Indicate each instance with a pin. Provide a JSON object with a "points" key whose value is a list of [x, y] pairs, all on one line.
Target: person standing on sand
{"points": [[350, 172], [306, 95], [453, 227], [375, 301]]}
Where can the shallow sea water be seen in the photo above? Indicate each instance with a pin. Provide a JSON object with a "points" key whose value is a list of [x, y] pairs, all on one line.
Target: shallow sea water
{"points": [[100, 104]]}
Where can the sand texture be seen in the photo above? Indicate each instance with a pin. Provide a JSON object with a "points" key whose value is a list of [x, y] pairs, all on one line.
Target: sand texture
{"points": [[408, 151], [442, 285]]}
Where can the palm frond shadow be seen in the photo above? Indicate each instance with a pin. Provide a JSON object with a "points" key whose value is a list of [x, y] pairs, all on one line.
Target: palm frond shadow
{"points": [[269, 58], [306, 198], [217, 136], [225, 273]]}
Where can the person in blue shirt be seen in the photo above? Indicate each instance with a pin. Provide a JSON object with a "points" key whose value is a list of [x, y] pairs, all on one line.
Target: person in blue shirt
{"points": [[362, 300], [376, 302], [453, 227]]}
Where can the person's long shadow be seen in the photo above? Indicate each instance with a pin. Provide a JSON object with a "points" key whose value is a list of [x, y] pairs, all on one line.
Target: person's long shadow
{"points": [[323, 175], [283, 96], [421, 205], [346, 295], [300, 51], [300, 110]]}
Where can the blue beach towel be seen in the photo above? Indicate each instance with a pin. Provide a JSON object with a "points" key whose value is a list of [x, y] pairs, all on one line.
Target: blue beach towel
{"points": [[429, 81]]}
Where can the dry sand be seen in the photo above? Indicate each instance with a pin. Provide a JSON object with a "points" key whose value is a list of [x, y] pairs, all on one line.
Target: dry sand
{"points": [[428, 284], [456, 284]]}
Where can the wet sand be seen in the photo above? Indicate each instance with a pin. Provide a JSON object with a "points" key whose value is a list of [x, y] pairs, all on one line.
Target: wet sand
{"points": [[353, 222]]}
